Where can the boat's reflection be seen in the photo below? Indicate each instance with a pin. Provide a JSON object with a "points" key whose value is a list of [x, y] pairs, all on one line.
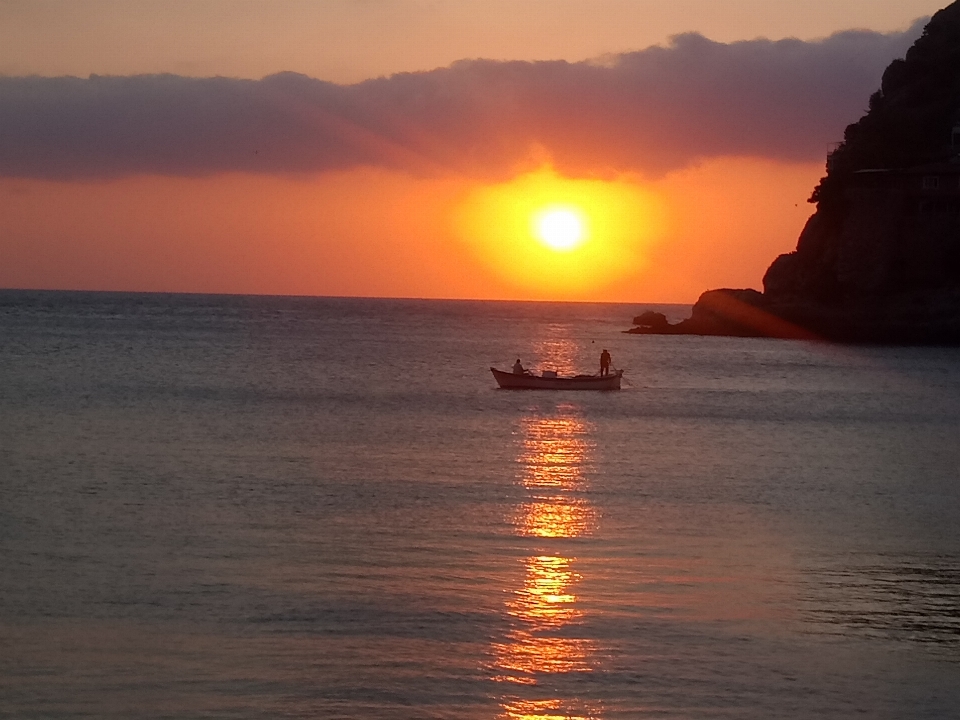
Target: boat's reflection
{"points": [[543, 641]]}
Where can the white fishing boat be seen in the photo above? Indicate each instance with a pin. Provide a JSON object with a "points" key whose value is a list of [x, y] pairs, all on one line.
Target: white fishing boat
{"points": [[549, 380]]}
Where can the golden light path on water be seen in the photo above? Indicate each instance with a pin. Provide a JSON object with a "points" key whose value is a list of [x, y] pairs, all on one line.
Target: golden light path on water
{"points": [[544, 610]]}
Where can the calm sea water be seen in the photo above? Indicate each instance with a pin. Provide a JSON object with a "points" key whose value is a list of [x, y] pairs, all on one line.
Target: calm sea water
{"points": [[240, 507]]}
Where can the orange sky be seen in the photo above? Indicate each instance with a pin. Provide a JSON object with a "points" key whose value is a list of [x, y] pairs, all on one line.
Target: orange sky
{"points": [[682, 188], [380, 233]]}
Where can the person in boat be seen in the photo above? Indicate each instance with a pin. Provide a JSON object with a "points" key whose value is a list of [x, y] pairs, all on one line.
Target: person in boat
{"points": [[518, 369], [604, 363]]}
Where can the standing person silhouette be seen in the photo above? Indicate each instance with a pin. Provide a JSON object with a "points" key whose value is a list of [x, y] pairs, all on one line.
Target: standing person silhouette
{"points": [[604, 363]]}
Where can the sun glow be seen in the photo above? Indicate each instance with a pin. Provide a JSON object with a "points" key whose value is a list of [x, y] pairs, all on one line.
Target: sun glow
{"points": [[551, 237], [560, 228]]}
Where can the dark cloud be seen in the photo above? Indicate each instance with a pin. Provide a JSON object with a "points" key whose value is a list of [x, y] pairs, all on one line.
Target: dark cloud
{"points": [[649, 111]]}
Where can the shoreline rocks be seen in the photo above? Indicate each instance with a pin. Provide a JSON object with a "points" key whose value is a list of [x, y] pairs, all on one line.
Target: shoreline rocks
{"points": [[908, 319]]}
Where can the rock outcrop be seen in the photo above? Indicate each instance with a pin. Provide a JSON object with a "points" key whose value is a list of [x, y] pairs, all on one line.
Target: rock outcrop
{"points": [[737, 313], [879, 261]]}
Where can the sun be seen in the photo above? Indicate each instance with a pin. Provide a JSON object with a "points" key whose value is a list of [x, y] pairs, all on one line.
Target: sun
{"points": [[559, 228], [548, 237]]}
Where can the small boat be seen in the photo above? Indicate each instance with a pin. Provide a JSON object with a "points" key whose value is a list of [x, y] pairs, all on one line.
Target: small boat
{"points": [[549, 380]]}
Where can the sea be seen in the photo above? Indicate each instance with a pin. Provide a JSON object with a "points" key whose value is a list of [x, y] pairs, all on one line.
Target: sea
{"points": [[284, 507]]}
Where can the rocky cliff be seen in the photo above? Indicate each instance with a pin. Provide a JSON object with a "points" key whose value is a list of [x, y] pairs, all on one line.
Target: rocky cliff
{"points": [[879, 260]]}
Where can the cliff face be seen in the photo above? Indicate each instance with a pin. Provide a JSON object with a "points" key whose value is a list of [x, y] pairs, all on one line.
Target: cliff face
{"points": [[880, 258], [879, 261]]}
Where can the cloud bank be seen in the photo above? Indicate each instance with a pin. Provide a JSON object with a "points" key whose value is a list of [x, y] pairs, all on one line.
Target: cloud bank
{"points": [[648, 112]]}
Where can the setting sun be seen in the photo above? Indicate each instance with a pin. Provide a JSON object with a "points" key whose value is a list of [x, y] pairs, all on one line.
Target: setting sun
{"points": [[553, 237], [559, 228]]}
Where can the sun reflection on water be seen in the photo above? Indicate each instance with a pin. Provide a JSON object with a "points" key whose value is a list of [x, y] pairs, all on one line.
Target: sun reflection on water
{"points": [[556, 517], [543, 641], [558, 353], [546, 598], [547, 710]]}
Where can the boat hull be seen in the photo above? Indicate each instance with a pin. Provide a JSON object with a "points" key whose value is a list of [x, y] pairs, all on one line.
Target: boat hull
{"points": [[510, 381]]}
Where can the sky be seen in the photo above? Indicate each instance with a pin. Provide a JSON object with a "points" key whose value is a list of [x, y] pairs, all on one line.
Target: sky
{"points": [[621, 150]]}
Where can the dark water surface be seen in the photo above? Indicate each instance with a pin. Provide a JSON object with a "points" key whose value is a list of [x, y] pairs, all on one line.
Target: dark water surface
{"points": [[239, 507]]}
